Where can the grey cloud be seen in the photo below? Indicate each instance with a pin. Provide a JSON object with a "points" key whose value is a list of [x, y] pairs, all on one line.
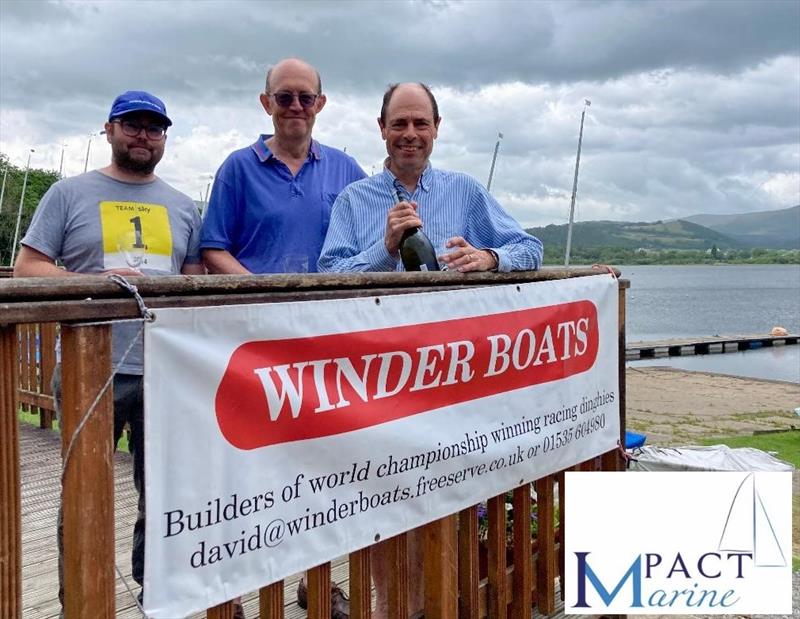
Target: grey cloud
{"points": [[695, 104], [213, 49], [24, 13]]}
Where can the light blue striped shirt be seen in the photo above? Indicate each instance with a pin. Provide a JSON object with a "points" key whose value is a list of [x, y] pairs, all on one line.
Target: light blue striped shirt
{"points": [[448, 203]]}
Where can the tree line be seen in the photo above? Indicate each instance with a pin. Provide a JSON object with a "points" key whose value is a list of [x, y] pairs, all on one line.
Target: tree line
{"points": [[554, 255], [39, 182]]}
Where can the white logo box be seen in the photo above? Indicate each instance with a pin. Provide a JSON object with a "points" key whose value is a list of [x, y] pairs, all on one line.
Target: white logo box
{"points": [[678, 543]]}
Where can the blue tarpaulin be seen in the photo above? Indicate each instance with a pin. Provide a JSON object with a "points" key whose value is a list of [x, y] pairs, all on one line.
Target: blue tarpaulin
{"points": [[634, 440]]}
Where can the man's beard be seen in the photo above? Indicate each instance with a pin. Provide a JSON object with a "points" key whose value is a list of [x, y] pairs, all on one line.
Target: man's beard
{"points": [[123, 159]]}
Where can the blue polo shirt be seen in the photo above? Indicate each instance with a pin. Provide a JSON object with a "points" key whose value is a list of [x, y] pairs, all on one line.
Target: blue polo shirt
{"points": [[261, 214]]}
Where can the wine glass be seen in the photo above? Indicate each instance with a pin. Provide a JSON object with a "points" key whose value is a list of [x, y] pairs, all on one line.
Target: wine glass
{"points": [[132, 249], [440, 245], [295, 263]]}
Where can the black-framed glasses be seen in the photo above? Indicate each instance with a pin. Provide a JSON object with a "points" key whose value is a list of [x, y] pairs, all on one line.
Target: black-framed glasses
{"points": [[132, 129], [284, 98]]}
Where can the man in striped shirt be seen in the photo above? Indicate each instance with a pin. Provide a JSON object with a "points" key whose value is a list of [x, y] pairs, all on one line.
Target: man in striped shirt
{"points": [[468, 228]]}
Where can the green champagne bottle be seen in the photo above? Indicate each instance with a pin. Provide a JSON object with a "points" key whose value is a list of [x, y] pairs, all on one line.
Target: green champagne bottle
{"points": [[416, 249]]}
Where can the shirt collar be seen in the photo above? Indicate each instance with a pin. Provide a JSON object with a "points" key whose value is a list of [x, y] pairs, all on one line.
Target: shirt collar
{"points": [[263, 152], [425, 181]]}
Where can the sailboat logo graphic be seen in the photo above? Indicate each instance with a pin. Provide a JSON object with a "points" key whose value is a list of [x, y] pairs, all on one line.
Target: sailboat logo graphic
{"points": [[748, 527]]}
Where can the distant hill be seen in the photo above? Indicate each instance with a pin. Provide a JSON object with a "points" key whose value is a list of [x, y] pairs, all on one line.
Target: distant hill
{"points": [[768, 229], [658, 235]]}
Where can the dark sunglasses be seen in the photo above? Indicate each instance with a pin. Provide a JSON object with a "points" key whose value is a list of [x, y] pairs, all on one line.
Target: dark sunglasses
{"points": [[132, 129], [285, 98]]}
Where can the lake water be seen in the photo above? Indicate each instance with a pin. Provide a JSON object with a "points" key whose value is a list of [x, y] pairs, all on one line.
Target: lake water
{"points": [[666, 302]]}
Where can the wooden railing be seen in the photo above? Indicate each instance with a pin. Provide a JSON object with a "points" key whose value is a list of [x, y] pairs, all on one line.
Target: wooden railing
{"points": [[37, 360], [29, 309]]}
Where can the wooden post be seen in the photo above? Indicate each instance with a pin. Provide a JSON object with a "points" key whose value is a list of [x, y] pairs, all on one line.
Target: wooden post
{"points": [[560, 477], [48, 361], [319, 592], [397, 548], [468, 568], [88, 492], [270, 601], [221, 611], [22, 371], [440, 565], [10, 509], [498, 587], [360, 584], [522, 581], [33, 366], [545, 564]]}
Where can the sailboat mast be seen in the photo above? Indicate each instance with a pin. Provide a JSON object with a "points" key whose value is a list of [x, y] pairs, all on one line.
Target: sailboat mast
{"points": [[494, 159], [586, 104]]}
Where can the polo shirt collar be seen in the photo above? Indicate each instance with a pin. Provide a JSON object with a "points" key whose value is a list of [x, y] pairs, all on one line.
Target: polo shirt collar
{"points": [[425, 181], [263, 152]]}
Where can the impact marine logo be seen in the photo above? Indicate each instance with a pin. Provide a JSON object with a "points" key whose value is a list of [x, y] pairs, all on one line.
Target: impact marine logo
{"points": [[748, 542]]}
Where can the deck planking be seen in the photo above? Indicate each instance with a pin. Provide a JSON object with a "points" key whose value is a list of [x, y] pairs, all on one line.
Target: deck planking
{"points": [[705, 345], [40, 472], [40, 460]]}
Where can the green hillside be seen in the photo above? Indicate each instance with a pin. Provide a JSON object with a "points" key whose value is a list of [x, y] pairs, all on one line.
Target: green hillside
{"points": [[659, 235], [772, 229]]}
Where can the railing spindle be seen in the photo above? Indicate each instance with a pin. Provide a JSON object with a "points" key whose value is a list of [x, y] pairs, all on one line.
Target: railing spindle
{"points": [[522, 582], [319, 592], [221, 611], [468, 567], [545, 566], [360, 584], [561, 518], [89, 481], [270, 601], [10, 509], [398, 579], [48, 362], [440, 543], [497, 594]]}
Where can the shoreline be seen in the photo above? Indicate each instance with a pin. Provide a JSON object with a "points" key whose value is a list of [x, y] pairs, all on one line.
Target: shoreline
{"points": [[672, 406]]}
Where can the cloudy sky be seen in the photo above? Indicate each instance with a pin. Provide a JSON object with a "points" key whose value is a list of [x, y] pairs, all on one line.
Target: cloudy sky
{"points": [[695, 104]]}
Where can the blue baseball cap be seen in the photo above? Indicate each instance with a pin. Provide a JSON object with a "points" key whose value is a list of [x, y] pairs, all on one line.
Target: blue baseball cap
{"points": [[138, 101]]}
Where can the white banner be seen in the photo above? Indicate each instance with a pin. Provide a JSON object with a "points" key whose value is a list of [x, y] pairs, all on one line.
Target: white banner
{"points": [[281, 436]]}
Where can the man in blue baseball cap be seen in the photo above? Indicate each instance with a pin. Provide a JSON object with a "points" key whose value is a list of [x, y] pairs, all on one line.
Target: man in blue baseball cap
{"points": [[138, 101], [119, 219]]}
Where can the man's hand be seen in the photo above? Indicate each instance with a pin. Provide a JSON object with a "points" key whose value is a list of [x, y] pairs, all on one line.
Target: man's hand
{"points": [[464, 257], [220, 261], [401, 217]]}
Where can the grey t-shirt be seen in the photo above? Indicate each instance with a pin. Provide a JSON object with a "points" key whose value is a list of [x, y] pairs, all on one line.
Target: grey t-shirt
{"points": [[93, 222]]}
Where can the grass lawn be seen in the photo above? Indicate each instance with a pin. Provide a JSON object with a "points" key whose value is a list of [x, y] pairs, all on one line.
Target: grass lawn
{"points": [[33, 419], [784, 445]]}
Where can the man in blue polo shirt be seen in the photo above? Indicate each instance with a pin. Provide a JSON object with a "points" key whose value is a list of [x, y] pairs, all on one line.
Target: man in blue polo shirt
{"points": [[271, 202]]}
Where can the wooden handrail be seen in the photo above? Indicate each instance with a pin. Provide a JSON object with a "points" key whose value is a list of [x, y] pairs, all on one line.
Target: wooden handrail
{"points": [[450, 557]]}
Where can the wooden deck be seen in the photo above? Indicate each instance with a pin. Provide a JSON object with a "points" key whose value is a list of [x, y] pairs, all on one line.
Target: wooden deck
{"points": [[705, 345], [40, 455]]}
